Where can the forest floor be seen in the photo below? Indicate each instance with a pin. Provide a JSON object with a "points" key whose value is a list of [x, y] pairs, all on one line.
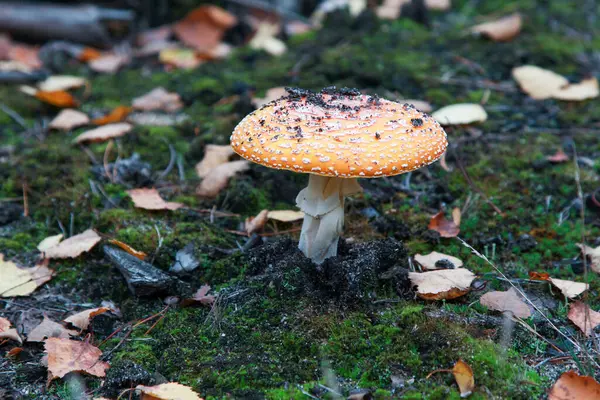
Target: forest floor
{"points": [[277, 330]]}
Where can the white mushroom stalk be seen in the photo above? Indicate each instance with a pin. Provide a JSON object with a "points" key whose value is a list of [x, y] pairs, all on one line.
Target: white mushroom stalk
{"points": [[322, 202]]}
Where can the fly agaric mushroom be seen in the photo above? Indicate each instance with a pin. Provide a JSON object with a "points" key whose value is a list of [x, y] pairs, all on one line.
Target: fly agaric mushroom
{"points": [[336, 136]]}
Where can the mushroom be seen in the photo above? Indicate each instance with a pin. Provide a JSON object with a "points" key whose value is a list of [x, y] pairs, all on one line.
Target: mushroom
{"points": [[336, 136]]}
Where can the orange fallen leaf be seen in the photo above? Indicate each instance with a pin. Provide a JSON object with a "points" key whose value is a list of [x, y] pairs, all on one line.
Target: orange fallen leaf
{"points": [[49, 329], [539, 276], [88, 54], [117, 115], [68, 119], [255, 224], [74, 246], [508, 301], [149, 199], [463, 374], [443, 284], [6, 332], [444, 227], [65, 355], [204, 27], [584, 317], [16, 281], [58, 98], [572, 386], [214, 155], [158, 99], [217, 179], [167, 391], [501, 30], [104, 133], [14, 352], [136, 253], [200, 297], [82, 319]]}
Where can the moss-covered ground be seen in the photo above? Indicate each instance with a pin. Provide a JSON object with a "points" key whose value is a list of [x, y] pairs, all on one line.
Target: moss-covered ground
{"points": [[277, 341]]}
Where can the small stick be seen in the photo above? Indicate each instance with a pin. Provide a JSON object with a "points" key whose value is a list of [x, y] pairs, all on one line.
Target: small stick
{"points": [[25, 200], [14, 115]]}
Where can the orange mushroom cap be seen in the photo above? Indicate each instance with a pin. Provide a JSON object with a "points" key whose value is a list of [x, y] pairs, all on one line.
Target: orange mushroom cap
{"points": [[339, 133]]}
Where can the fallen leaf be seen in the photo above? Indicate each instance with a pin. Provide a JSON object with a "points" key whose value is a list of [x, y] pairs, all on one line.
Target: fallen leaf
{"points": [[593, 254], [463, 374], [6, 332], [65, 355], [444, 227], [286, 215], [158, 99], [420, 105], [26, 55], [14, 352], [456, 216], [200, 297], [117, 115], [460, 114], [569, 289], [49, 329], [68, 119], [14, 66], [431, 260], [82, 319], [15, 281], [537, 82], [506, 301], [255, 224], [167, 391], [57, 98], [88, 54], [584, 317], [204, 27], [571, 386], [264, 39], [214, 155], [180, 58], [501, 30], [539, 276], [559, 157], [442, 284], [108, 63], [217, 179], [74, 246], [136, 253], [49, 242], [586, 89], [149, 199], [61, 82], [104, 133], [271, 94], [392, 9]]}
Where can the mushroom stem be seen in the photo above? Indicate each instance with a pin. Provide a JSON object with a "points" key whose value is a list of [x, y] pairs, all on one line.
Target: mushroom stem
{"points": [[322, 202]]}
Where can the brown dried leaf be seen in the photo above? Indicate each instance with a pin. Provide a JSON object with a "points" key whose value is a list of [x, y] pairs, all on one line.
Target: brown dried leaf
{"points": [[214, 155], [167, 391], [88, 54], [460, 114], [506, 301], [6, 332], [14, 352], [501, 30], [26, 55], [108, 63], [271, 94], [149, 199], [204, 27], [584, 317], [49, 329], [586, 89], [257, 223], [569, 289], [444, 227], [217, 179], [82, 319], [117, 115], [593, 254], [74, 246], [463, 374], [65, 355], [158, 99], [15, 281], [104, 133], [136, 253], [442, 284], [57, 98], [571, 386], [285, 215], [200, 297], [537, 82], [429, 261], [68, 119]]}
